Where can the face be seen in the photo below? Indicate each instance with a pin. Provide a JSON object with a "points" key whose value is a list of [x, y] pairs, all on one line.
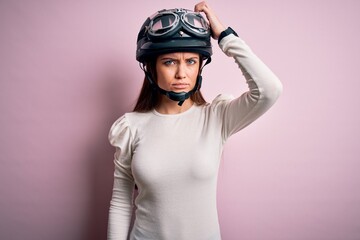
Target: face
{"points": [[177, 71]]}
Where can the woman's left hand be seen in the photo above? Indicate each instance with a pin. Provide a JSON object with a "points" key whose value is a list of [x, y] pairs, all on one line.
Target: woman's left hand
{"points": [[215, 24]]}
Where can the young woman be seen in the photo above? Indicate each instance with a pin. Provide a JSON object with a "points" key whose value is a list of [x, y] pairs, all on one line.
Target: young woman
{"points": [[171, 144]]}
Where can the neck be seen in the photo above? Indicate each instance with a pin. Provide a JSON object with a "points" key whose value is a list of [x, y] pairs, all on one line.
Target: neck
{"points": [[168, 106]]}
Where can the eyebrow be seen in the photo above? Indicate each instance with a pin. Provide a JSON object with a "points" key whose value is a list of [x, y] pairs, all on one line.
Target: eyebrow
{"points": [[175, 58]]}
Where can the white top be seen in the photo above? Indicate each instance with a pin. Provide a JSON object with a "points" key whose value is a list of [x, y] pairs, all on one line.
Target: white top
{"points": [[174, 159]]}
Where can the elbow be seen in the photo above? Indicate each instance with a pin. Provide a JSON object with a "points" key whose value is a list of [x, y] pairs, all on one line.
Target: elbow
{"points": [[273, 91]]}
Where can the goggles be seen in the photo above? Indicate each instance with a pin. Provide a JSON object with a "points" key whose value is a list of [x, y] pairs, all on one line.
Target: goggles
{"points": [[166, 23]]}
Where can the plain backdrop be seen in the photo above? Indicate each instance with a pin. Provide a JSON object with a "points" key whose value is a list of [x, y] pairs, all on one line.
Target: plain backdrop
{"points": [[68, 71]]}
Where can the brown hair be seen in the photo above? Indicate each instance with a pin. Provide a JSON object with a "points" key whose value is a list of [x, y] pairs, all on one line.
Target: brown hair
{"points": [[149, 98]]}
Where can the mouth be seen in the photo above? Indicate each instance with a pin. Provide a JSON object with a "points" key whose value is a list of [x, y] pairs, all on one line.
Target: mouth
{"points": [[180, 86]]}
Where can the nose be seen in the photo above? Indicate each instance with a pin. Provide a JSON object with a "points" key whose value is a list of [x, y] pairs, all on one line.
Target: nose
{"points": [[181, 71]]}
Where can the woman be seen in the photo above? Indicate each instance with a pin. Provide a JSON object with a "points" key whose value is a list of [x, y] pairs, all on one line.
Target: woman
{"points": [[171, 144]]}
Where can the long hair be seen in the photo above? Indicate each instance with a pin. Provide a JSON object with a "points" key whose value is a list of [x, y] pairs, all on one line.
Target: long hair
{"points": [[149, 97]]}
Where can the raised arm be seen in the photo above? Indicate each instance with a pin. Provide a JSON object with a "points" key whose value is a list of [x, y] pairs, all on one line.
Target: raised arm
{"points": [[264, 86]]}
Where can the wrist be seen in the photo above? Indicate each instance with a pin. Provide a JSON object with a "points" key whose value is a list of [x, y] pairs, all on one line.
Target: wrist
{"points": [[225, 33]]}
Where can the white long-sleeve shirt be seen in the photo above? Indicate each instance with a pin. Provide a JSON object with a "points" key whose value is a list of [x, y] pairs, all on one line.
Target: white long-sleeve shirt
{"points": [[174, 158]]}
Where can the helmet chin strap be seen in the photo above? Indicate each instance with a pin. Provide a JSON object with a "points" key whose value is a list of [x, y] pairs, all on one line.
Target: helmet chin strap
{"points": [[179, 97]]}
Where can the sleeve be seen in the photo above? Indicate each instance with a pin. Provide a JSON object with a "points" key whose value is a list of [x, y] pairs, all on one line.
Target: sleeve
{"points": [[121, 202], [264, 89]]}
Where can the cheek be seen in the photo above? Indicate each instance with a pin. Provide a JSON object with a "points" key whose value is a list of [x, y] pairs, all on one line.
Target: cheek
{"points": [[161, 81], [193, 73], [164, 77]]}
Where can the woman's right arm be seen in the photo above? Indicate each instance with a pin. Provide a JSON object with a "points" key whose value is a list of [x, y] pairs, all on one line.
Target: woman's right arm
{"points": [[121, 202]]}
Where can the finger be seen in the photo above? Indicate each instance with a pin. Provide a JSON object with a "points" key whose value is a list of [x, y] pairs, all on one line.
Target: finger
{"points": [[214, 22], [198, 7], [201, 7]]}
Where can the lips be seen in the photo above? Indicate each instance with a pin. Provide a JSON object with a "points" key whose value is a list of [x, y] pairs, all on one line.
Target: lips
{"points": [[179, 86]]}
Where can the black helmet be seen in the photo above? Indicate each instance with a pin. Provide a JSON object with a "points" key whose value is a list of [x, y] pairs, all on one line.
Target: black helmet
{"points": [[173, 30]]}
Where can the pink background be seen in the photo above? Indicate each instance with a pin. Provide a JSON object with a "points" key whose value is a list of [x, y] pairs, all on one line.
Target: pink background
{"points": [[68, 70]]}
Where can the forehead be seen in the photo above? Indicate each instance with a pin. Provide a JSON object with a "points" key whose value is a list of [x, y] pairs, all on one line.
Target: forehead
{"points": [[177, 55]]}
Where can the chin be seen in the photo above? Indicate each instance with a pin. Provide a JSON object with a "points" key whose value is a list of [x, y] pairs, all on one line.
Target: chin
{"points": [[181, 91]]}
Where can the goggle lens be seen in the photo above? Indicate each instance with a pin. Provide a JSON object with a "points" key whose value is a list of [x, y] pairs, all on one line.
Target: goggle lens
{"points": [[161, 24], [195, 21]]}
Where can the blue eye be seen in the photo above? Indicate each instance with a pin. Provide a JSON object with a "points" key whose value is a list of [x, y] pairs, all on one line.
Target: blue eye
{"points": [[191, 61], [169, 62]]}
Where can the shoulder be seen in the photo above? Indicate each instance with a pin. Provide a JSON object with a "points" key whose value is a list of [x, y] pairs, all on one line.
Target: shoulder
{"points": [[136, 119], [130, 118], [221, 101], [218, 105], [119, 130], [127, 125]]}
